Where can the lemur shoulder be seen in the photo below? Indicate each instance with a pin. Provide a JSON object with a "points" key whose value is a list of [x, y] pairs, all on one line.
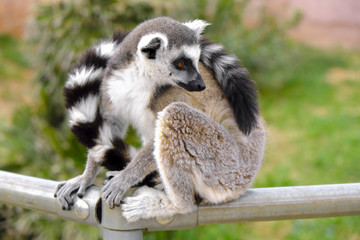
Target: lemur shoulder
{"points": [[191, 102]]}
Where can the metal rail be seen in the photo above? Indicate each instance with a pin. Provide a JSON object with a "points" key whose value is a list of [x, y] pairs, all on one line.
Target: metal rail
{"points": [[259, 204]]}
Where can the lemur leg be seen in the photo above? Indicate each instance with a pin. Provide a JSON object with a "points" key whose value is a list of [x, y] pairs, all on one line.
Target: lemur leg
{"points": [[135, 172], [80, 183], [192, 153]]}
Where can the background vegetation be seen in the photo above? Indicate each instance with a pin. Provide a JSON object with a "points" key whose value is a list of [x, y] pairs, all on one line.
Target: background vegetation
{"points": [[308, 98]]}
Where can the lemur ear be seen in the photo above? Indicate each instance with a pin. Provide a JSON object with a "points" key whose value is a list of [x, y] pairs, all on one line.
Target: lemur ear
{"points": [[197, 25], [152, 47]]}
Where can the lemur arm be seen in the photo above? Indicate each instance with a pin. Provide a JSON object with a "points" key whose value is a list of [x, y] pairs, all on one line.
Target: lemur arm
{"points": [[121, 181]]}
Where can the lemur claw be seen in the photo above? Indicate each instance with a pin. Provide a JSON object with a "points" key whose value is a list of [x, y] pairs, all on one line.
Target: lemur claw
{"points": [[65, 191], [113, 189]]}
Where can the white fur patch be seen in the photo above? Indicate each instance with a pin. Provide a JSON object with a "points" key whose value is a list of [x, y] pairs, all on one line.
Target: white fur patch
{"points": [[84, 111], [146, 39], [212, 48], [192, 52], [82, 76], [197, 25], [98, 152], [227, 60], [105, 49], [209, 50], [106, 135], [130, 95], [221, 63], [158, 136]]}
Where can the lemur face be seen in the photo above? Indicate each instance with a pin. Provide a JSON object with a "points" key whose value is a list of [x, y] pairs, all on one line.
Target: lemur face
{"points": [[171, 65], [184, 69]]}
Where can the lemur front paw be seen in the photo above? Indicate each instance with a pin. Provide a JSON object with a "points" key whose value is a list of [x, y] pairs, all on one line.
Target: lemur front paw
{"points": [[113, 189], [64, 191]]}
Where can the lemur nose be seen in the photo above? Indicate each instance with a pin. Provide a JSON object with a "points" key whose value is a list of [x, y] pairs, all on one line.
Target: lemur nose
{"points": [[200, 84], [201, 87]]}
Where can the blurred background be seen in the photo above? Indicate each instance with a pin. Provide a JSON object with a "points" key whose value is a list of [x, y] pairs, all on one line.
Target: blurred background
{"points": [[303, 54]]}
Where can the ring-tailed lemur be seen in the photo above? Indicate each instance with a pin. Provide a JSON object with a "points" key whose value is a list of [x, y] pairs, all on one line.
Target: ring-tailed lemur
{"points": [[201, 141]]}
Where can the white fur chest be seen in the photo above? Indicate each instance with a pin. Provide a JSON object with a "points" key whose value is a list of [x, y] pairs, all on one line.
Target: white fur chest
{"points": [[130, 95]]}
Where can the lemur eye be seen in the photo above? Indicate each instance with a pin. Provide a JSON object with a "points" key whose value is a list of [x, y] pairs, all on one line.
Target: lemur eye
{"points": [[181, 64]]}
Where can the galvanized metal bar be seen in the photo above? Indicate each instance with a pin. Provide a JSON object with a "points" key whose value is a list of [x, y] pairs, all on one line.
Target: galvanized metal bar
{"points": [[109, 234], [38, 194], [281, 203], [259, 204]]}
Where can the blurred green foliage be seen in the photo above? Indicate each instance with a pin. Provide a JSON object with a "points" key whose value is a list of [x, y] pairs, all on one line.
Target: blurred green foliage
{"points": [[39, 143], [10, 54]]}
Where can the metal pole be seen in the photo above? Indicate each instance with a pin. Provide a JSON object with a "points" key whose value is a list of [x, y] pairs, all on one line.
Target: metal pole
{"points": [[38, 194], [282, 203], [258, 204], [122, 235]]}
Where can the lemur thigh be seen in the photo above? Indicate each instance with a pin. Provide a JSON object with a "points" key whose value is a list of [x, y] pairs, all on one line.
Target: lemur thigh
{"points": [[192, 153], [189, 143]]}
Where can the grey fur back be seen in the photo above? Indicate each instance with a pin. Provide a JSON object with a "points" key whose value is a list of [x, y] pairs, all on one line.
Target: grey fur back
{"points": [[178, 34]]}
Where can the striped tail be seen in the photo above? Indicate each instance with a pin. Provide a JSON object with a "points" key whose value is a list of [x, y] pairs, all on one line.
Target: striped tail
{"points": [[82, 93], [234, 80], [82, 100], [82, 90]]}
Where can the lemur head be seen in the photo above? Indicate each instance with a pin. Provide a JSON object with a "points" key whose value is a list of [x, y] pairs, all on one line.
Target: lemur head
{"points": [[168, 51]]}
